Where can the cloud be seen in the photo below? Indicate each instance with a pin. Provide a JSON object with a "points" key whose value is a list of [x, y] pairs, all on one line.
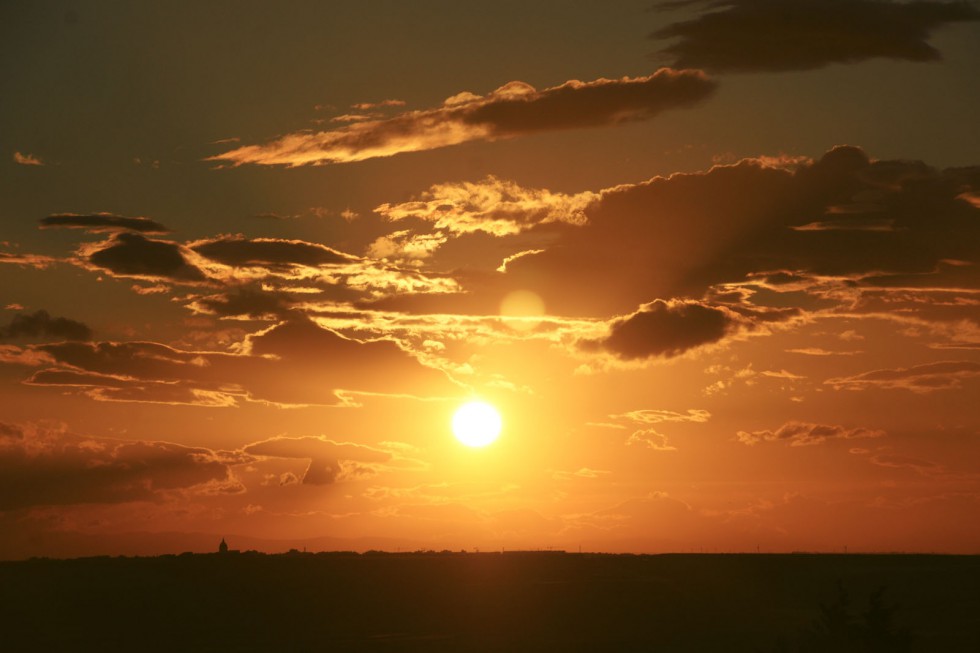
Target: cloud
{"points": [[332, 361], [800, 434], [512, 110], [104, 387], [268, 252], [103, 222], [41, 324], [367, 106], [897, 461], [133, 255], [37, 261], [235, 266], [650, 416], [493, 206], [582, 472], [922, 379], [255, 278], [326, 456], [271, 215], [682, 235], [43, 466], [666, 328], [405, 245], [27, 159], [781, 35], [293, 363], [247, 301], [651, 439], [819, 351]]}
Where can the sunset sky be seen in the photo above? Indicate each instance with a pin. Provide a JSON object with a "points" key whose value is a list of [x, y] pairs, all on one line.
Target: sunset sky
{"points": [[714, 264]]}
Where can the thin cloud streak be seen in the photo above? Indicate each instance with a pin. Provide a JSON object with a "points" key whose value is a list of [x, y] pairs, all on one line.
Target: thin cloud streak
{"points": [[512, 110], [103, 223]]}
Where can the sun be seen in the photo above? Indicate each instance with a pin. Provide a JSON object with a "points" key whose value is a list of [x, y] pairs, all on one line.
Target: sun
{"points": [[476, 424]]}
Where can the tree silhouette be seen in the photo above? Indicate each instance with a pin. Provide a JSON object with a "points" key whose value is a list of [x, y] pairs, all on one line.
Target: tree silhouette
{"points": [[839, 629]]}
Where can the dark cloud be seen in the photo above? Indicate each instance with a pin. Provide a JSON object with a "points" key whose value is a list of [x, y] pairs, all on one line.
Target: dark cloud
{"points": [[132, 255], [666, 329], [780, 35], [678, 236], [137, 360], [268, 252], [518, 108], [40, 324], [800, 434], [332, 361], [103, 222], [103, 387], [251, 301], [325, 455], [671, 328], [293, 363], [41, 466], [512, 110]]}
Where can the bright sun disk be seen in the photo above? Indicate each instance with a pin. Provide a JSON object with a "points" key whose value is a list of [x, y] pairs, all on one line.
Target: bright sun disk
{"points": [[476, 424]]}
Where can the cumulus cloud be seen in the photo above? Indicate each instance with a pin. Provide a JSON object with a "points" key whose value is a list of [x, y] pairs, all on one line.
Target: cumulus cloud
{"points": [[326, 456], [801, 434], [43, 466], [780, 35], [512, 110], [493, 206], [41, 324], [103, 222], [922, 379]]}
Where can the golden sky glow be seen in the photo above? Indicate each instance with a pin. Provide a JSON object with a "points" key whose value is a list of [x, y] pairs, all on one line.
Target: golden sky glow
{"points": [[714, 274]]}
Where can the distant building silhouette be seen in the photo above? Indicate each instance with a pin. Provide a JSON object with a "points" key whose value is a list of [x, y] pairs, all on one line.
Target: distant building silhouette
{"points": [[223, 547]]}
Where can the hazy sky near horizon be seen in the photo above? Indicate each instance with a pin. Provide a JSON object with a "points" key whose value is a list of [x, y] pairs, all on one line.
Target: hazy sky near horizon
{"points": [[714, 263]]}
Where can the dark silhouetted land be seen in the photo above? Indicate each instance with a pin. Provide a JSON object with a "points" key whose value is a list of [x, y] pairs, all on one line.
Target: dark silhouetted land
{"points": [[492, 602]]}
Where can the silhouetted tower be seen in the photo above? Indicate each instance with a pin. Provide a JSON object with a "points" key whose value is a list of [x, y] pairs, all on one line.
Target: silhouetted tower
{"points": [[223, 547]]}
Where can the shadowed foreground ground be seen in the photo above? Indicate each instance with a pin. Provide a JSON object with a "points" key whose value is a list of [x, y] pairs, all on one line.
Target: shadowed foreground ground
{"points": [[491, 602]]}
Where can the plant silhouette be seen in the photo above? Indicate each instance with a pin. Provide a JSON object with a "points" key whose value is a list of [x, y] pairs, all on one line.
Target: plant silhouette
{"points": [[840, 629]]}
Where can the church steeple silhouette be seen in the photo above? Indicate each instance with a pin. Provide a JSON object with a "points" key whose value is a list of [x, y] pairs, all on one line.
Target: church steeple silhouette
{"points": [[223, 547]]}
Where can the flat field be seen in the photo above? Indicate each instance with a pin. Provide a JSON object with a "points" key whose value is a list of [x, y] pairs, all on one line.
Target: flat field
{"points": [[520, 601]]}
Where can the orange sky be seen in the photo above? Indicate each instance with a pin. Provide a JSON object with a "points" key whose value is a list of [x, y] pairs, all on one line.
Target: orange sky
{"points": [[716, 272]]}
